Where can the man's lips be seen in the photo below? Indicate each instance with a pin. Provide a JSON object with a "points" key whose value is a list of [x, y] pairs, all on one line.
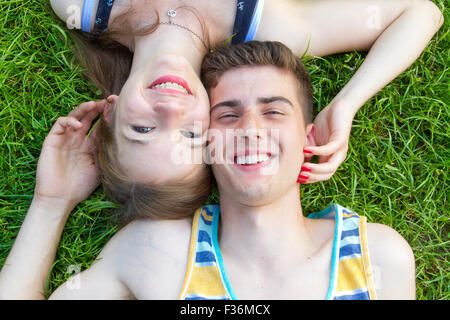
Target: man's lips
{"points": [[171, 84], [251, 158]]}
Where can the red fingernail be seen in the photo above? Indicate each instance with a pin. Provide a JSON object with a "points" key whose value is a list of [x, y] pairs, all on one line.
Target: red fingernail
{"points": [[301, 181], [307, 151], [302, 176], [305, 169]]}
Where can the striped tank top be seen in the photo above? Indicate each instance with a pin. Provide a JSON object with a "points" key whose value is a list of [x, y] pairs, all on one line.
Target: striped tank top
{"points": [[351, 275]]}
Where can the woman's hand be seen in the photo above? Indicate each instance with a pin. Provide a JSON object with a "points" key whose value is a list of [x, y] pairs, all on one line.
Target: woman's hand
{"points": [[66, 169], [332, 131]]}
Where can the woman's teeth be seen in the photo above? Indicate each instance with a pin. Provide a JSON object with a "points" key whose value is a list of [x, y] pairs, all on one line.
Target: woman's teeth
{"points": [[170, 85], [252, 159]]}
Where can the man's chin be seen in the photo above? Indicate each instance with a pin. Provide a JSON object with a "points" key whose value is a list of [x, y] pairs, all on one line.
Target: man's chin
{"points": [[255, 195]]}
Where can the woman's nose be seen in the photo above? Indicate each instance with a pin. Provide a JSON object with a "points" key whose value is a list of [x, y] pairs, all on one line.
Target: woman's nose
{"points": [[170, 110]]}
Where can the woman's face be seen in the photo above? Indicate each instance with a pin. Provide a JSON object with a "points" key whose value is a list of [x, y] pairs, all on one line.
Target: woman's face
{"points": [[159, 121]]}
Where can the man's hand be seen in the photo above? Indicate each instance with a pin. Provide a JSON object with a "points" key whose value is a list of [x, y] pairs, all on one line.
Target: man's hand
{"points": [[332, 131], [66, 169]]}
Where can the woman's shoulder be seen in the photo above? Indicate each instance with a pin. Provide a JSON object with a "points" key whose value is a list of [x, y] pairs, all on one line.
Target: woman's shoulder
{"points": [[152, 254], [147, 235]]}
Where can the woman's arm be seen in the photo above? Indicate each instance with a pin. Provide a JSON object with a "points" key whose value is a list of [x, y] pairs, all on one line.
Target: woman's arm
{"points": [[66, 175], [25, 271], [394, 32]]}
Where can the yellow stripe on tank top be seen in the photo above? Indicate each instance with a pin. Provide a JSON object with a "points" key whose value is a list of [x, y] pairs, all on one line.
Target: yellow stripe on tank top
{"points": [[366, 258], [351, 275], [191, 259], [206, 281]]}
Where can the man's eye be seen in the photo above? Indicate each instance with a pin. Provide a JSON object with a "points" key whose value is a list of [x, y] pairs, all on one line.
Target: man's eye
{"points": [[142, 129], [273, 112], [191, 135]]}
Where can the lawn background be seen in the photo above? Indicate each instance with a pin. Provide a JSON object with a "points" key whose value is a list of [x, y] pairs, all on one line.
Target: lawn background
{"points": [[396, 171]]}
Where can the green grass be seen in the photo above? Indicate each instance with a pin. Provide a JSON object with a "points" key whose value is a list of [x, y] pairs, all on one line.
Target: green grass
{"points": [[396, 172]]}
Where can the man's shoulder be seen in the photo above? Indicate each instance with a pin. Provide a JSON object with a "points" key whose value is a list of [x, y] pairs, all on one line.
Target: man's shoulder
{"points": [[392, 261], [386, 242]]}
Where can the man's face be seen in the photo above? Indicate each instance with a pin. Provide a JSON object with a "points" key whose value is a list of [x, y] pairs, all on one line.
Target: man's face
{"points": [[257, 127]]}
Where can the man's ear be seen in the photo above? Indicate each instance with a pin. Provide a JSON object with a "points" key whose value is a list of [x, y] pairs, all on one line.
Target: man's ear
{"points": [[310, 135], [108, 113]]}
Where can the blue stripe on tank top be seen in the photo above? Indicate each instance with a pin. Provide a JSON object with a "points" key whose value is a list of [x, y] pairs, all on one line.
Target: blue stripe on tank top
{"points": [[350, 233], [349, 249], [356, 296], [208, 223], [201, 297], [205, 256], [349, 240], [208, 210], [204, 236], [347, 211]]}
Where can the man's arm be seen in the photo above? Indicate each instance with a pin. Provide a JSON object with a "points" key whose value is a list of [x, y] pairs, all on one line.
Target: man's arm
{"points": [[392, 263]]}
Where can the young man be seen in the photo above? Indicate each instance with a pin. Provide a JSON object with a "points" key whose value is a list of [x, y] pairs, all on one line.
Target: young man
{"points": [[262, 247]]}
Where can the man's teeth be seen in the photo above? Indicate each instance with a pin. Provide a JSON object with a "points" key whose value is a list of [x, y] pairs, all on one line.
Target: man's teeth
{"points": [[170, 85], [252, 159]]}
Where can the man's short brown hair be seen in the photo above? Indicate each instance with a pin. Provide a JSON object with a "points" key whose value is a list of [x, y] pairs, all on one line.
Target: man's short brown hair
{"points": [[258, 53]]}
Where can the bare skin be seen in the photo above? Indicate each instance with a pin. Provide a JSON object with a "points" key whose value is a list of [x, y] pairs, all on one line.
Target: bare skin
{"points": [[147, 259], [393, 42]]}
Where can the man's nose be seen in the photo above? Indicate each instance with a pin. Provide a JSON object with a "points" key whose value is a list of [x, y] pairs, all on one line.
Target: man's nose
{"points": [[250, 121], [251, 127]]}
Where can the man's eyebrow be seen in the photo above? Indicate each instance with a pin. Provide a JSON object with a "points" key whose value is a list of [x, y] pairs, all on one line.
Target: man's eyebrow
{"points": [[267, 100], [227, 103]]}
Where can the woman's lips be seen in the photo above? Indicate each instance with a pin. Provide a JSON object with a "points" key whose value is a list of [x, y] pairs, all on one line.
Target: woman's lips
{"points": [[171, 84]]}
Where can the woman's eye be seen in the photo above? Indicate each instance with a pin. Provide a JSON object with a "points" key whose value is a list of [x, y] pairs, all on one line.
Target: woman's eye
{"points": [[229, 115], [190, 134], [142, 129]]}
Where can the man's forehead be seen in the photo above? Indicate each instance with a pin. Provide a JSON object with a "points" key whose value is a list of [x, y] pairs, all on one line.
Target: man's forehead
{"points": [[254, 71], [255, 83]]}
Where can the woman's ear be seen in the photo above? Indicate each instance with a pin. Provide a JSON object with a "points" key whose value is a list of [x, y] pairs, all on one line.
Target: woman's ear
{"points": [[108, 113], [310, 135]]}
